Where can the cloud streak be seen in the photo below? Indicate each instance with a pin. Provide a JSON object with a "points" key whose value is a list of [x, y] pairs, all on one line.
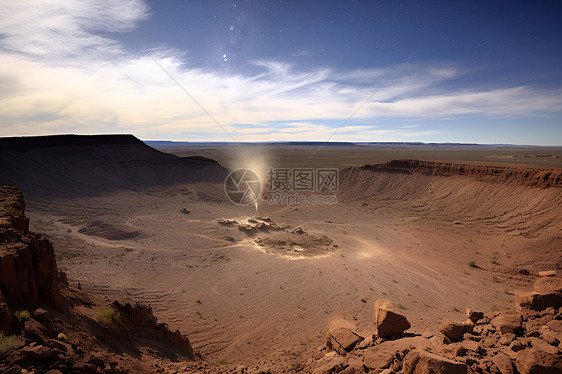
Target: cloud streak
{"points": [[62, 72]]}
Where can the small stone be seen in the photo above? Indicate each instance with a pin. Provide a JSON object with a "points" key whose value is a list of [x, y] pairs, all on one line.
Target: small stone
{"points": [[473, 315], [517, 345], [454, 331], [365, 343], [387, 371], [428, 334], [472, 346], [469, 336], [460, 351]]}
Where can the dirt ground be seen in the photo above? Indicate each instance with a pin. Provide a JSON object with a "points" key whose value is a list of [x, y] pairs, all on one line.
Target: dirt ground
{"points": [[264, 297]]}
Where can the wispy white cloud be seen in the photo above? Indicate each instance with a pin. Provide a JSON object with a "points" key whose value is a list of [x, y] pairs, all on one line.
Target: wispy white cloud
{"points": [[60, 73], [61, 29]]}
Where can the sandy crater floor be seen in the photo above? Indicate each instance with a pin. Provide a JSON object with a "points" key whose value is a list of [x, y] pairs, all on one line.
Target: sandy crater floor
{"points": [[264, 296]]}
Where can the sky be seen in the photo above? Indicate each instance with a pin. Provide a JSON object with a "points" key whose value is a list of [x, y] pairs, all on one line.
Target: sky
{"points": [[416, 71]]}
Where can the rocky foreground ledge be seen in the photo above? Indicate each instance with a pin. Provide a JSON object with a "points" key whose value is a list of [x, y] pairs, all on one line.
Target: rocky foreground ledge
{"points": [[526, 340], [48, 327]]}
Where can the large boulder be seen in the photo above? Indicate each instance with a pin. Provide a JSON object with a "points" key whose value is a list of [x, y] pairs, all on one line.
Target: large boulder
{"points": [[34, 331], [507, 322], [342, 336], [547, 293], [421, 362], [388, 320], [547, 285], [454, 331], [535, 361]]}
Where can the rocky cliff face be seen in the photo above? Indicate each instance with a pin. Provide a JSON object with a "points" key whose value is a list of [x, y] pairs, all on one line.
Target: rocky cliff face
{"points": [[503, 174], [28, 271]]}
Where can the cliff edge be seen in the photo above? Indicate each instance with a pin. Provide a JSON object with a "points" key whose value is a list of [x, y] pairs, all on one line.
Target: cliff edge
{"points": [[47, 326]]}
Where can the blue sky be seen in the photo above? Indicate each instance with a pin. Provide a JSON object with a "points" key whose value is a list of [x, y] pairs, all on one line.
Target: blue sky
{"points": [[431, 71]]}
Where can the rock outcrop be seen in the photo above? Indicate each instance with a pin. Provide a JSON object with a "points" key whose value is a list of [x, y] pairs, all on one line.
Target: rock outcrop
{"points": [[142, 322], [520, 341], [28, 270]]}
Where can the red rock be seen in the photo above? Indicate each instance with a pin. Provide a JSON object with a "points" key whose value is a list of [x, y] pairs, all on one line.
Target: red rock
{"points": [[84, 368], [38, 352], [548, 285], [454, 331], [555, 325], [341, 335], [507, 322], [473, 315], [5, 315], [503, 363], [42, 316], [388, 320], [141, 317], [377, 359], [28, 270], [507, 338], [34, 331], [547, 293], [534, 361], [472, 346], [543, 346], [328, 364], [421, 362]]}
